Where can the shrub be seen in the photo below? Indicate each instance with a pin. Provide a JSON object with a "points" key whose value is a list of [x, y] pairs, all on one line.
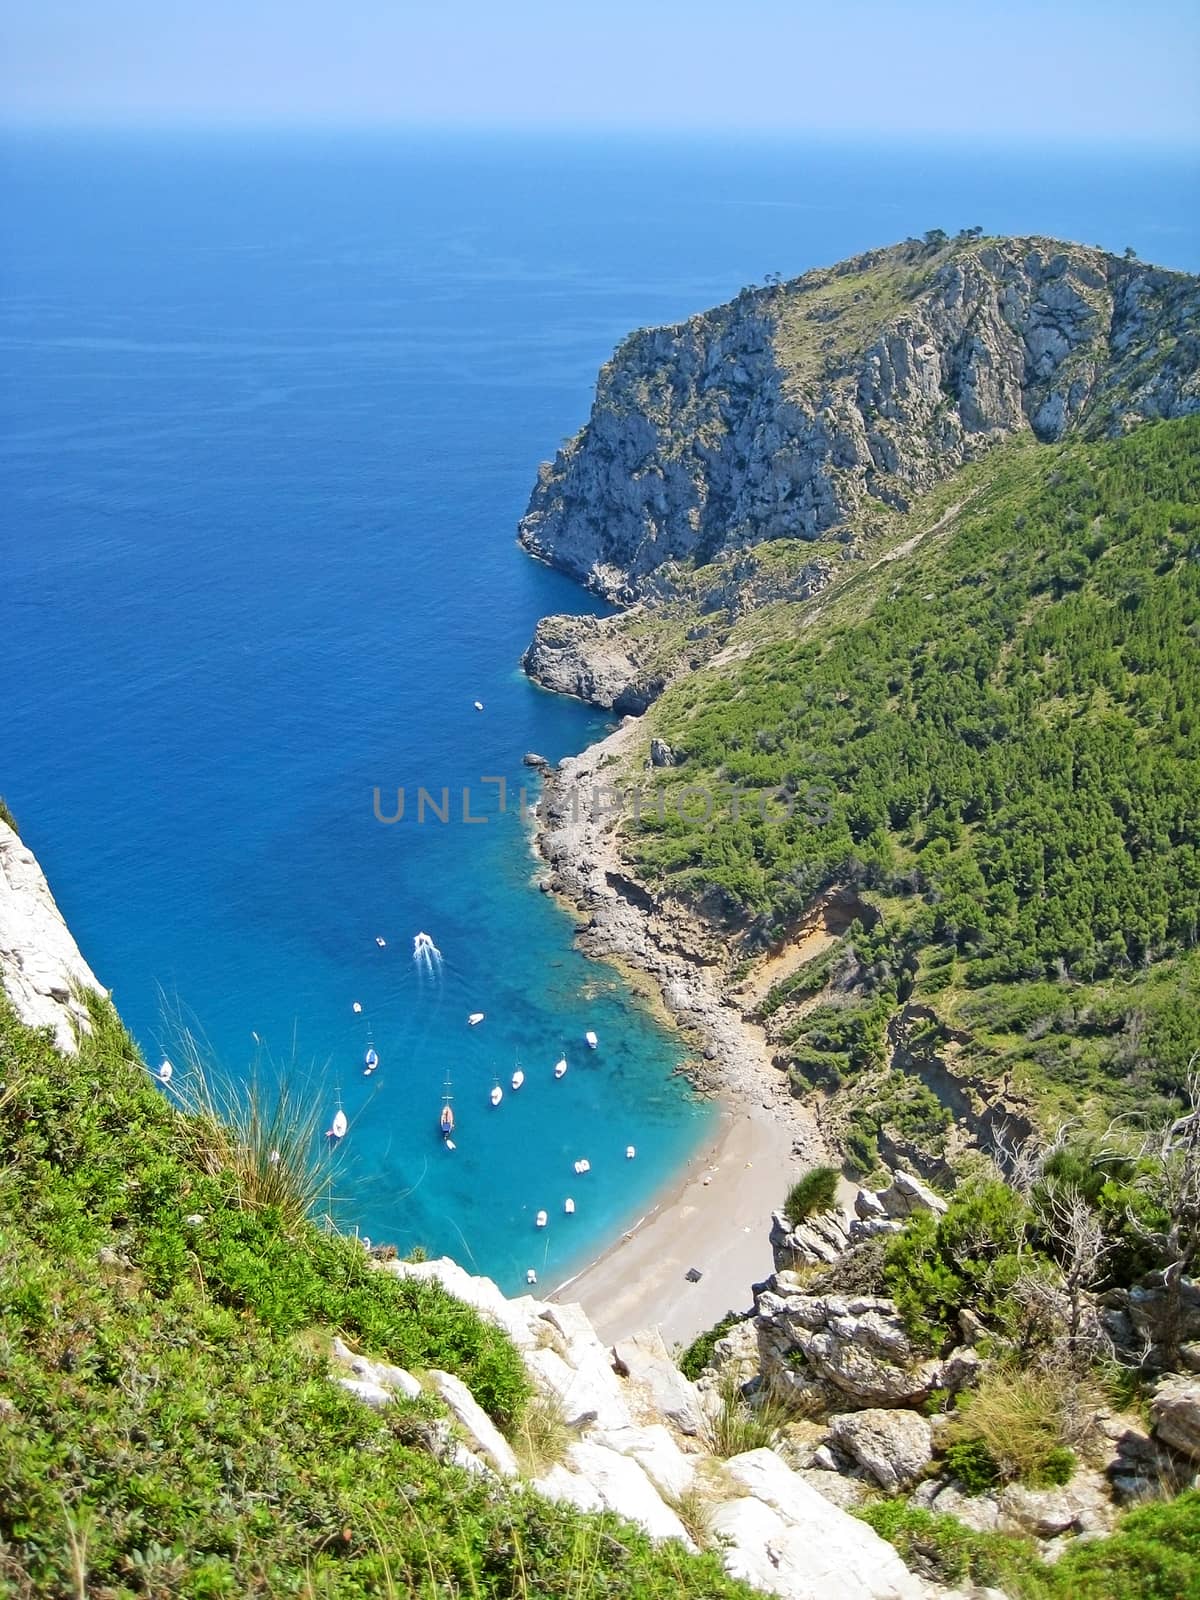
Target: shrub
{"points": [[973, 1464], [699, 1353], [7, 816], [968, 1256], [815, 1191], [1024, 1423], [741, 1424]]}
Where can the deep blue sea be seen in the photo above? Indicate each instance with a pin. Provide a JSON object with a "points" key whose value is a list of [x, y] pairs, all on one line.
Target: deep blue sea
{"points": [[270, 407]]}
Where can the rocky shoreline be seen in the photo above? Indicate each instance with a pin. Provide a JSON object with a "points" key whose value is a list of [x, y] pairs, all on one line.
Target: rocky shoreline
{"points": [[576, 834]]}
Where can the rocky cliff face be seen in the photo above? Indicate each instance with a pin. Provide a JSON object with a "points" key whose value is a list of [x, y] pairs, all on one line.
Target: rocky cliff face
{"points": [[789, 411], [41, 968]]}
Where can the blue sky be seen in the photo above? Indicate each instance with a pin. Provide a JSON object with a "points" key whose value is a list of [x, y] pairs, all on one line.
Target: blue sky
{"points": [[1053, 69]]}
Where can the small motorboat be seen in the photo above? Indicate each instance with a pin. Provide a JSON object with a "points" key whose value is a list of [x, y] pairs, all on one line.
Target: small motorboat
{"points": [[540, 1220], [583, 1166], [370, 1061], [337, 1128], [356, 1007], [474, 1019], [530, 1275], [630, 1152], [518, 1078], [164, 1072], [497, 1093], [590, 1040], [569, 1206], [380, 941], [479, 705], [560, 1067]]}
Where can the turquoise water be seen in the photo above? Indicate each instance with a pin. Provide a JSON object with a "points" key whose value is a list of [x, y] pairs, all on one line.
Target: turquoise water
{"points": [[270, 409]]}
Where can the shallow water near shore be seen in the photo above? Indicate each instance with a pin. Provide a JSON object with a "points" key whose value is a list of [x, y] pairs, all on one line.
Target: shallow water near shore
{"points": [[271, 408]]}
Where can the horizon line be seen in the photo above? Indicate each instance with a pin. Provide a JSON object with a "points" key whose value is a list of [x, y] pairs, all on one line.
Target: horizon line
{"points": [[1181, 143]]}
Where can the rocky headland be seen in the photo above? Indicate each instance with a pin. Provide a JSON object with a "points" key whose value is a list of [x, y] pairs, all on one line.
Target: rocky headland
{"points": [[802, 408]]}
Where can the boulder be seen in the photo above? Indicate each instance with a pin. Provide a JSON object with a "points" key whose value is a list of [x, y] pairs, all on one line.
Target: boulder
{"points": [[1175, 1410], [895, 1447], [371, 1394], [568, 1488], [664, 1391], [907, 1196], [858, 1344], [623, 1486], [381, 1374], [868, 1206], [1081, 1506], [483, 1436], [661, 754], [787, 1538]]}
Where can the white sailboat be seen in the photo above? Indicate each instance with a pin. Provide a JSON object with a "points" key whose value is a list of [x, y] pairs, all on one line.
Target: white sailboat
{"points": [[446, 1120]]}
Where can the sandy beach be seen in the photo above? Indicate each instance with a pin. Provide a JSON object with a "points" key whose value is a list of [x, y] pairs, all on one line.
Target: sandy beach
{"points": [[715, 1217]]}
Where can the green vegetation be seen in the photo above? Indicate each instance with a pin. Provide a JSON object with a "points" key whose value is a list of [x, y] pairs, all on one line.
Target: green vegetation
{"points": [[743, 1422], [699, 1353], [1022, 1426], [1154, 1555], [971, 1256], [815, 1191], [995, 738], [7, 816], [168, 1426]]}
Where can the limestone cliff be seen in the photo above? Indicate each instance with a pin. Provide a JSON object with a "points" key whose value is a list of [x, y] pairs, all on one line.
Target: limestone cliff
{"points": [[796, 407], [41, 968]]}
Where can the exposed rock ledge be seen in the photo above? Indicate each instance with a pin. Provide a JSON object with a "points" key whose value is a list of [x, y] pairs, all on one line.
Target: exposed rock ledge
{"points": [[636, 1447], [40, 964], [797, 407], [594, 659]]}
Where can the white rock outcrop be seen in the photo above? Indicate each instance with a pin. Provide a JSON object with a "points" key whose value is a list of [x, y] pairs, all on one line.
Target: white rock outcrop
{"points": [[40, 965], [483, 1436], [637, 1447], [786, 1538], [894, 1446]]}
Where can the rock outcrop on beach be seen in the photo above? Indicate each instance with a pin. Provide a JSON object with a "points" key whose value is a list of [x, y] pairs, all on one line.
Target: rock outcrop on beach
{"points": [[41, 968], [790, 411]]}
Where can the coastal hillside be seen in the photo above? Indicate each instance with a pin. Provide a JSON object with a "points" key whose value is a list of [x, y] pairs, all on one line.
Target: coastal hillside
{"points": [[204, 1393], [964, 891], [805, 407]]}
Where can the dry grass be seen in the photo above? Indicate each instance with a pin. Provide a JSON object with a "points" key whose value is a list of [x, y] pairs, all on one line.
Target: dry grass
{"points": [[267, 1133], [740, 1423], [1022, 1417], [542, 1437]]}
